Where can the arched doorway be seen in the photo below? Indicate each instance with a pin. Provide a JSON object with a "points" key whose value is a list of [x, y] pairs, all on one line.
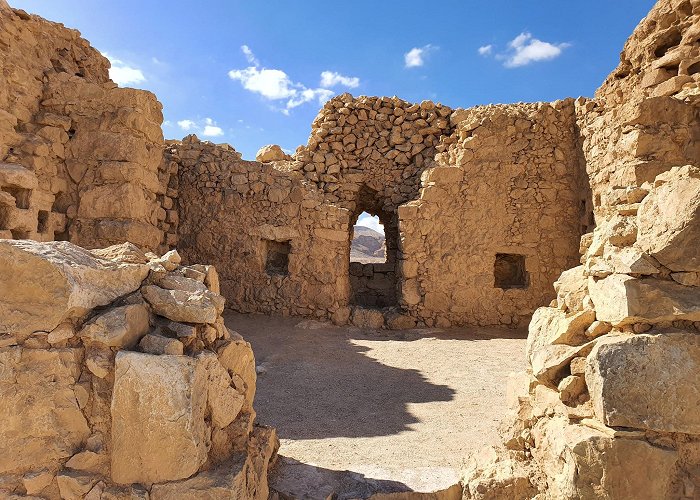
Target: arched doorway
{"points": [[374, 237]]}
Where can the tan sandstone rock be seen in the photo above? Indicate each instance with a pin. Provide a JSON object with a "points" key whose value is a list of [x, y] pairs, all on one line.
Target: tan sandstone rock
{"points": [[621, 299], [42, 285], [648, 381], [669, 219], [182, 306], [156, 400], [271, 152], [120, 327]]}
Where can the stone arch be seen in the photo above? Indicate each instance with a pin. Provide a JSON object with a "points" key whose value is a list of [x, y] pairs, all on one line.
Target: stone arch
{"points": [[375, 284]]}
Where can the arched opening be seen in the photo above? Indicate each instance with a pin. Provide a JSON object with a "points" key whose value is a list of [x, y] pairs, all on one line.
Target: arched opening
{"points": [[374, 244]]}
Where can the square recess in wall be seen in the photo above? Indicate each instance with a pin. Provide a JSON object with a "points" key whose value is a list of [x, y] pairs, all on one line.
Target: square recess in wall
{"points": [[277, 257], [509, 271]]}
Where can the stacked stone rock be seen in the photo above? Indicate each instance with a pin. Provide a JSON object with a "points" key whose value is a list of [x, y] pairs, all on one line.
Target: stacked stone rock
{"points": [[235, 211], [379, 142], [94, 148], [508, 180], [118, 378], [608, 408]]}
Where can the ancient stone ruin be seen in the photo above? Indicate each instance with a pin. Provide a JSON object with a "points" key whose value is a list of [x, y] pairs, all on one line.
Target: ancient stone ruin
{"points": [[119, 379]]}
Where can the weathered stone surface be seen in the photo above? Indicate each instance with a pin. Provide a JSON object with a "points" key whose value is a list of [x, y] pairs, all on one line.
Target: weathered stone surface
{"points": [[669, 220], [550, 326], [581, 462], [548, 362], [157, 344], [223, 400], [571, 288], [124, 252], [120, 327], [42, 285], [156, 400], [46, 428], [236, 356], [620, 299], [182, 306], [647, 381], [271, 152]]}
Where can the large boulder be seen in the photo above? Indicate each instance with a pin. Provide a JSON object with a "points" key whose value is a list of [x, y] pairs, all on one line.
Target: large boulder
{"points": [[182, 306], [669, 220], [42, 424], [648, 381], [158, 409], [583, 462], [44, 284], [271, 152], [120, 327], [621, 299]]}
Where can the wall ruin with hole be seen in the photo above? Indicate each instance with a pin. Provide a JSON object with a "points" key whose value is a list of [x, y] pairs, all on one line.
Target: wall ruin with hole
{"points": [[85, 152]]}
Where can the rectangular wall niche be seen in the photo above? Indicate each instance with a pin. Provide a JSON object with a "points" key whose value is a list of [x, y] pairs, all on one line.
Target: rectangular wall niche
{"points": [[509, 271], [277, 257]]}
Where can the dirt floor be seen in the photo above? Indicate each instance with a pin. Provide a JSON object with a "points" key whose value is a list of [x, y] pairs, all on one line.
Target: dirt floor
{"points": [[400, 410]]}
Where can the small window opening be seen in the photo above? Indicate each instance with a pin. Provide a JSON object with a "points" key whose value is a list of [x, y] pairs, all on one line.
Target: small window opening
{"points": [[19, 234], [43, 222], [509, 271], [368, 242], [277, 257], [20, 195]]}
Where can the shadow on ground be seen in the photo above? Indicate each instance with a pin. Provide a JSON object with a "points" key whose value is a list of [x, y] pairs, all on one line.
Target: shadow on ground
{"points": [[293, 479], [331, 388]]}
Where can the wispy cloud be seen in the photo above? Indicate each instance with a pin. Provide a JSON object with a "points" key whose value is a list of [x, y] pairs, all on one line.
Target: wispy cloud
{"points": [[416, 57], [485, 50], [332, 78], [122, 73], [206, 127], [276, 85], [525, 49], [370, 221]]}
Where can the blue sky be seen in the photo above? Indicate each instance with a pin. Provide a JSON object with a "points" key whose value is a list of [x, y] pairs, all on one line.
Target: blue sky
{"points": [[254, 72]]}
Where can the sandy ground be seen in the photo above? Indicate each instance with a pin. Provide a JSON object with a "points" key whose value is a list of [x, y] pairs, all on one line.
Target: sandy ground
{"points": [[405, 407]]}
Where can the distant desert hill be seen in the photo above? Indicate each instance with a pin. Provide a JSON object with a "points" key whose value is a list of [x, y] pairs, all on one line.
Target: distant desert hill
{"points": [[367, 246]]}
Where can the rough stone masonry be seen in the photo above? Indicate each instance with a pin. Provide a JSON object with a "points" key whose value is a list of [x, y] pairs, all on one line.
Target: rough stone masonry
{"points": [[484, 209]]}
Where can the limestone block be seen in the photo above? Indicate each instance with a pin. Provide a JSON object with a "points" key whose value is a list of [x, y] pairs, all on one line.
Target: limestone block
{"points": [[271, 152], [552, 326], [237, 357], [175, 281], [156, 344], [123, 201], [123, 252], [669, 220], [367, 318], [182, 306], [17, 176], [120, 327], [647, 381], [571, 288], [158, 409], [620, 299], [44, 284], [223, 400], [226, 482], [548, 362], [41, 422], [582, 462]]}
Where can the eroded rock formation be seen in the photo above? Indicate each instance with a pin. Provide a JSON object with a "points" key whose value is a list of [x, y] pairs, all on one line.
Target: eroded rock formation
{"points": [[118, 377]]}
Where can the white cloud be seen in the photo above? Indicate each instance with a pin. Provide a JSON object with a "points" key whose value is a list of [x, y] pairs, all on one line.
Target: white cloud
{"points": [[332, 78], [212, 131], [249, 55], [206, 127], [415, 57], [524, 49], [123, 74], [370, 221], [485, 50], [275, 84], [186, 125]]}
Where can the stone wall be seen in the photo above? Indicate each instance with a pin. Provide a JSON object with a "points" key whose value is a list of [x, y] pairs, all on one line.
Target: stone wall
{"points": [[603, 410], [279, 246], [93, 147], [118, 379]]}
